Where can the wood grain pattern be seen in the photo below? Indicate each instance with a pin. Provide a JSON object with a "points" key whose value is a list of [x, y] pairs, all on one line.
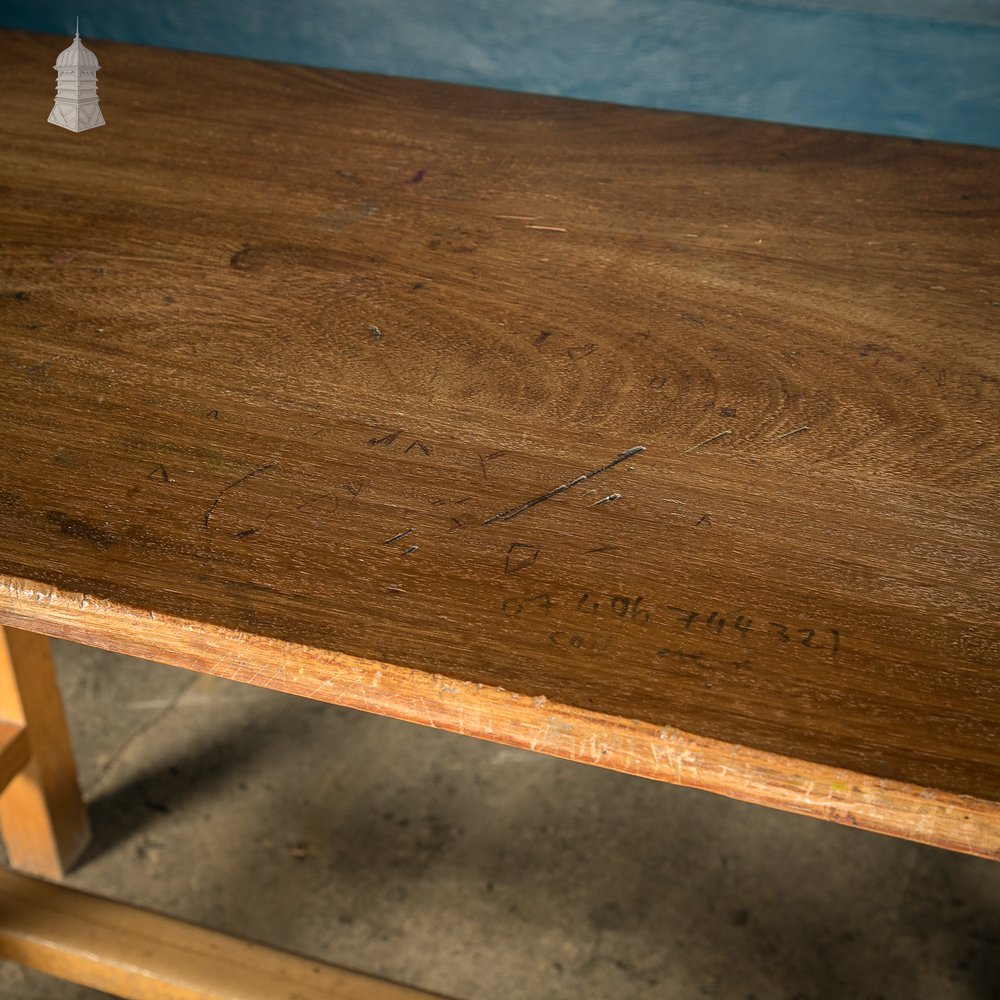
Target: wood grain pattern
{"points": [[592, 429], [14, 752], [42, 816], [134, 953]]}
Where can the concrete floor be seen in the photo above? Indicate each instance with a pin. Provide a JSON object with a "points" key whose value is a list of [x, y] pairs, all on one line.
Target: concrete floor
{"points": [[485, 873]]}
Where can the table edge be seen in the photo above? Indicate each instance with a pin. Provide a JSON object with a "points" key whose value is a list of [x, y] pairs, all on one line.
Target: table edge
{"points": [[962, 823]]}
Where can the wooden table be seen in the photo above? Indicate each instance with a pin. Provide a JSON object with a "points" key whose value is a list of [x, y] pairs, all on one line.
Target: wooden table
{"points": [[660, 442]]}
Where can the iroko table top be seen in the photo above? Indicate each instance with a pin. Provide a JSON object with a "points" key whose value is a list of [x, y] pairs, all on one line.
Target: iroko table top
{"points": [[661, 442]]}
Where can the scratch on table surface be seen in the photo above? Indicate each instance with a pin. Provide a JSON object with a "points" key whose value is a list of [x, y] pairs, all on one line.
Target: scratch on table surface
{"points": [[709, 440], [807, 795], [362, 693], [607, 499], [396, 538], [242, 479], [318, 498], [217, 669], [540, 733], [259, 673], [677, 759], [507, 515], [430, 715], [319, 687], [798, 430]]}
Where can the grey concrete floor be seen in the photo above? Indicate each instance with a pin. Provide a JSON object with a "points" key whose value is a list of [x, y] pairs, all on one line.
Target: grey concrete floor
{"points": [[486, 873]]}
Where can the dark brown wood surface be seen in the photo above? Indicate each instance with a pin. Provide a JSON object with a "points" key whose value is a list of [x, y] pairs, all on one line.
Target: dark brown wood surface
{"points": [[656, 441]]}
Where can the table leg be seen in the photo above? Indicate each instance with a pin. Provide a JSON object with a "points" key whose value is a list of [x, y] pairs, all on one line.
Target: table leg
{"points": [[43, 820]]}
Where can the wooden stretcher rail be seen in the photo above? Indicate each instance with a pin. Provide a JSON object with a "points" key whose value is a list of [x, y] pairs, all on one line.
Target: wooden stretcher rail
{"points": [[133, 953]]}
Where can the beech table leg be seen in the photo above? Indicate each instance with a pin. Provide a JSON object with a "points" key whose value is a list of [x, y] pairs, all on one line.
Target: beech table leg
{"points": [[42, 816]]}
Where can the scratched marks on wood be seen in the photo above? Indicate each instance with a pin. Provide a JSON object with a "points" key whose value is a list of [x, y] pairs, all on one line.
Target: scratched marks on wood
{"points": [[390, 439], [215, 503], [396, 538], [387, 440], [312, 502], [610, 498], [513, 512], [315, 507], [708, 440], [787, 359], [323, 506], [408, 549], [493, 456], [575, 352], [318, 504], [519, 557], [636, 337], [580, 351], [788, 434]]}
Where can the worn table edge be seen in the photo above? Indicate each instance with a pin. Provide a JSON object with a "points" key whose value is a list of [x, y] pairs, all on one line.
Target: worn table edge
{"points": [[961, 823]]}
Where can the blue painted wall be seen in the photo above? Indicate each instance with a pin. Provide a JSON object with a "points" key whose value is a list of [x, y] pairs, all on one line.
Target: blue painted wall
{"points": [[924, 68]]}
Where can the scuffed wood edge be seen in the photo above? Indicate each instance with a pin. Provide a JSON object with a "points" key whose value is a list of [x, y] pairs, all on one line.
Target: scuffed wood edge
{"points": [[662, 753]]}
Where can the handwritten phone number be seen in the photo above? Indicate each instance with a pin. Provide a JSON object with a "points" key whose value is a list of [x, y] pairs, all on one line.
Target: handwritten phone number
{"points": [[637, 611]]}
